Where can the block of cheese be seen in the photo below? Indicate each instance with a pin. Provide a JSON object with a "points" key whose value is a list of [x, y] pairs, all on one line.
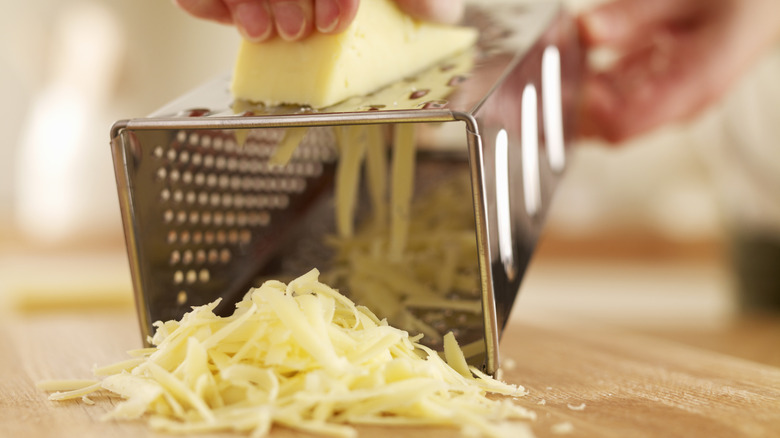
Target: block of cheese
{"points": [[381, 46]]}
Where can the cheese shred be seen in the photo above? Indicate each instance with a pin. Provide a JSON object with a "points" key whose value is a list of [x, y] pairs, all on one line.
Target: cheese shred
{"points": [[301, 356], [435, 271]]}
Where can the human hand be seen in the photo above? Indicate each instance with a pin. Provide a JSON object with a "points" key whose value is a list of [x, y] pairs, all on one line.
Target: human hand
{"points": [[292, 20], [675, 58]]}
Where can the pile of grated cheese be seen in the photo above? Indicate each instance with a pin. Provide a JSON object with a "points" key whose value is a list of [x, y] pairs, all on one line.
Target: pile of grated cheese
{"points": [[303, 356]]}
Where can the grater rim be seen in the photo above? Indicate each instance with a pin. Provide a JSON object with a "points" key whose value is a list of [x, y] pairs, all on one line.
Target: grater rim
{"points": [[292, 120]]}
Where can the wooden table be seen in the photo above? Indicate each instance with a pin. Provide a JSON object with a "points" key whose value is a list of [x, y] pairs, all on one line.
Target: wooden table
{"points": [[604, 382]]}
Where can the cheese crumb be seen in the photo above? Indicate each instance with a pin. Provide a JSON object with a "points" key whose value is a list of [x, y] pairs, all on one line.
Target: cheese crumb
{"points": [[508, 364], [563, 428], [580, 407]]}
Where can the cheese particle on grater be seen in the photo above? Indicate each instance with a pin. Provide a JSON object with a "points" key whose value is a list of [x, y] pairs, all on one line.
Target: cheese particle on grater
{"points": [[381, 46]]}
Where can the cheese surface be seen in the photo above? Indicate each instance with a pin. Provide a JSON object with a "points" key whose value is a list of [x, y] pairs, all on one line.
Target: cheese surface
{"points": [[381, 46]]}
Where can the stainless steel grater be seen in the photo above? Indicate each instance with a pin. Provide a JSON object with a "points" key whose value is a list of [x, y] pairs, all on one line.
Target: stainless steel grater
{"points": [[205, 214]]}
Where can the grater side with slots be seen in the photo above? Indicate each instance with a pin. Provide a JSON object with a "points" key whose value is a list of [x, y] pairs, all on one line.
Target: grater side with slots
{"points": [[205, 214]]}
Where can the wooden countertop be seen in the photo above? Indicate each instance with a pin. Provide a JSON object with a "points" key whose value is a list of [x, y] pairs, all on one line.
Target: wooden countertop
{"points": [[605, 382]]}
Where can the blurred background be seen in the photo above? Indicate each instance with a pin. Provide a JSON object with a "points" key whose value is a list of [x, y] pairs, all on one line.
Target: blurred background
{"points": [[659, 235]]}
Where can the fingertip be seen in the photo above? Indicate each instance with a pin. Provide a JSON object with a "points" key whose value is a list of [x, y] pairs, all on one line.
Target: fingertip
{"points": [[334, 16], [327, 15], [293, 19], [214, 10], [253, 20], [446, 11]]}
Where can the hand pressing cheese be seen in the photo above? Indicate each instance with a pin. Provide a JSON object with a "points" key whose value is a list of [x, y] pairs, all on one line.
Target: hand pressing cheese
{"points": [[261, 20], [381, 46]]}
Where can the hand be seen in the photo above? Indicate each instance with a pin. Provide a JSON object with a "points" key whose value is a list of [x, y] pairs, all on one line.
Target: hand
{"points": [[676, 57], [292, 20]]}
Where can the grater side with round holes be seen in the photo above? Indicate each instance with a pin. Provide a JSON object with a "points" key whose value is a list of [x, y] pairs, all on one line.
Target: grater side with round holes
{"points": [[205, 214]]}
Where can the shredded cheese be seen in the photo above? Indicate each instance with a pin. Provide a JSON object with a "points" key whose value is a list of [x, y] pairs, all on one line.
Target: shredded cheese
{"points": [[454, 355], [352, 148], [402, 189], [376, 171], [303, 356], [439, 261], [287, 145], [64, 385]]}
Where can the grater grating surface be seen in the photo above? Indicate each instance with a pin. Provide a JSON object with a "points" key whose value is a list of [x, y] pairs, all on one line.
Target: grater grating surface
{"points": [[206, 214]]}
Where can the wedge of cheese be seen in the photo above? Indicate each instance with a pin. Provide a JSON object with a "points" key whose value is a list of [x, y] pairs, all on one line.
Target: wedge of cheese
{"points": [[381, 46]]}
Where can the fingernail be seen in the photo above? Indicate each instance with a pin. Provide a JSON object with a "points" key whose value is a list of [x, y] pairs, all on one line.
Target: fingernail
{"points": [[326, 15], [290, 20], [253, 21]]}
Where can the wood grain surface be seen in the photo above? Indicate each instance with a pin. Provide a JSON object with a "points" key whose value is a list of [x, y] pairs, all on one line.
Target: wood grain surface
{"points": [[598, 382]]}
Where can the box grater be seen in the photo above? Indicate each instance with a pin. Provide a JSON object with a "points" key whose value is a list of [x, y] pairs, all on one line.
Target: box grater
{"points": [[206, 215]]}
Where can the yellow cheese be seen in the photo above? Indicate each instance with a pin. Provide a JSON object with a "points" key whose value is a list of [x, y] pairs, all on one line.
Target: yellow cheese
{"points": [[287, 146], [381, 46], [352, 147], [423, 251], [403, 188], [303, 356], [376, 174]]}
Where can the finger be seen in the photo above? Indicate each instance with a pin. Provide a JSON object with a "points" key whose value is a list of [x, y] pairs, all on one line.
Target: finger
{"points": [[616, 115], [615, 22], [333, 16], [440, 11], [650, 59], [605, 94], [598, 107], [252, 18], [293, 19], [214, 10], [615, 109]]}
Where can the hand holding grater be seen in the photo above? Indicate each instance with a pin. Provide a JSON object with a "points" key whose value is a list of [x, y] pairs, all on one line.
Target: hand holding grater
{"points": [[206, 212]]}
